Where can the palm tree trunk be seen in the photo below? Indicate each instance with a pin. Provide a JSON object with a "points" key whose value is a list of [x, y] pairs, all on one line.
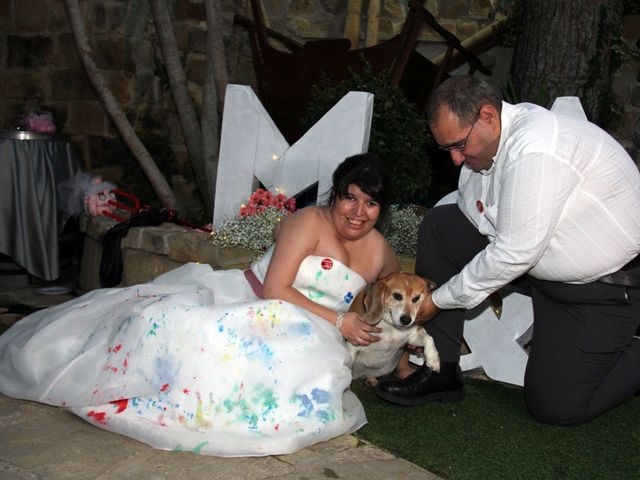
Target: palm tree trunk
{"points": [[215, 83], [157, 180], [215, 46], [181, 97], [235, 43]]}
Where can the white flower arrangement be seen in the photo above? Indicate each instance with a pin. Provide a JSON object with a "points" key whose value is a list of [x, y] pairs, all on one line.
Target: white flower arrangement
{"points": [[253, 232], [400, 228]]}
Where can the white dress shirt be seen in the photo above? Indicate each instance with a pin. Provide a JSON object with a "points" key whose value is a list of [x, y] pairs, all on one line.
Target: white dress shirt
{"points": [[561, 202]]}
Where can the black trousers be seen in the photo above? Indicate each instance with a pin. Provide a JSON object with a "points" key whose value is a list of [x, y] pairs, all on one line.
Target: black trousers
{"points": [[584, 358]]}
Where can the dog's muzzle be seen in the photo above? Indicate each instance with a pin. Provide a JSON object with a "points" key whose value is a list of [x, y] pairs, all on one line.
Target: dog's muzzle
{"points": [[405, 320]]}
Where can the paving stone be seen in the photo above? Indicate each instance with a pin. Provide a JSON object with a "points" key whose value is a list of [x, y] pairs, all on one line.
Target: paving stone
{"points": [[44, 442]]}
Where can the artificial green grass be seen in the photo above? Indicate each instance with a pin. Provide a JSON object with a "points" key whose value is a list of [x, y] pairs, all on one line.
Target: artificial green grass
{"points": [[490, 435]]}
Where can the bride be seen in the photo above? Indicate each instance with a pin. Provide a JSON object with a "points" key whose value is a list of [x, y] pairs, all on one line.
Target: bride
{"points": [[225, 363]]}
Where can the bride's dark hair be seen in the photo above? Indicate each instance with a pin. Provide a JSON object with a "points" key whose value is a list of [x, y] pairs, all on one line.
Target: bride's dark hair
{"points": [[364, 171]]}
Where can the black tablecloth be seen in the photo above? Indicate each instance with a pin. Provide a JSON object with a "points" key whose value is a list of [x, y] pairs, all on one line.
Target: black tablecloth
{"points": [[31, 166]]}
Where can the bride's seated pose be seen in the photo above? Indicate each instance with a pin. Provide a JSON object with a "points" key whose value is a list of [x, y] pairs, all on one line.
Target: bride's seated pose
{"points": [[197, 361]]}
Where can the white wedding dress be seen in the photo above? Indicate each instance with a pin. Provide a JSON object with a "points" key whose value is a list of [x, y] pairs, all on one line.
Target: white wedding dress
{"points": [[194, 361]]}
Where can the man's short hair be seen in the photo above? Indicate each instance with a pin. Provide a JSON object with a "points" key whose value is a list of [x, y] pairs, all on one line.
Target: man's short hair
{"points": [[464, 96]]}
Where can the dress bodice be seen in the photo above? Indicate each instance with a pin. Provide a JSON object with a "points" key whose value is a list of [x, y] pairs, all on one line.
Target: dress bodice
{"points": [[324, 280], [328, 282]]}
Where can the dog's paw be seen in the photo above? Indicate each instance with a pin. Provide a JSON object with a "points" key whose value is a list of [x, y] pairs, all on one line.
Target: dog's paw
{"points": [[370, 381], [433, 360]]}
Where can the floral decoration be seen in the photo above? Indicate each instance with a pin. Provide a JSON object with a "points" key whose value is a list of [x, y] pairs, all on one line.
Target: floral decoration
{"points": [[262, 199], [254, 227]]}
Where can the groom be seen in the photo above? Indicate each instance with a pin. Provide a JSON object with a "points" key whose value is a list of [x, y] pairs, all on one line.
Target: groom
{"points": [[552, 200]]}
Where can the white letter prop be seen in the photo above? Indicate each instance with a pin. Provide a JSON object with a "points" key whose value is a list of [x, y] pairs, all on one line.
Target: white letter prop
{"points": [[252, 146], [496, 344]]}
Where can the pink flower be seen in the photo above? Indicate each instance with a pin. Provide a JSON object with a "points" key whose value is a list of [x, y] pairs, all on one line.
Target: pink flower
{"points": [[262, 199], [40, 123]]}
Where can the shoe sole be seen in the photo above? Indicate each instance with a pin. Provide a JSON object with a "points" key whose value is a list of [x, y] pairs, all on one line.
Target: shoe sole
{"points": [[443, 397]]}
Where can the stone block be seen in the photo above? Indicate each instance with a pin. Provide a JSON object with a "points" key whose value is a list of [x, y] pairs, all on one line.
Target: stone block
{"points": [[152, 239], [303, 7], [388, 28], [71, 84], [193, 246], [198, 41], [480, 8], [144, 86], [59, 112], [278, 8], [28, 51], [121, 84], [31, 16], [6, 17], [58, 20], [22, 86], [181, 31], [109, 51], [452, 9], [234, 258], [451, 25], [189, 10], [110, 17], [395, 8], [465, 29], [141, 267], [87, 116], [65, 53], [433, 6], [196, 69], [138, 56]]}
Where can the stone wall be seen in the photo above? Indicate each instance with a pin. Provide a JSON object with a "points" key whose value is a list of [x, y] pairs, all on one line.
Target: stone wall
{"points": [[312, 19], [151, 251], [38, 62]]}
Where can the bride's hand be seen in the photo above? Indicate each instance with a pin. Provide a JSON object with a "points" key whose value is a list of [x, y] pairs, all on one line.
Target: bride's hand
{"points": [[357, 332]]}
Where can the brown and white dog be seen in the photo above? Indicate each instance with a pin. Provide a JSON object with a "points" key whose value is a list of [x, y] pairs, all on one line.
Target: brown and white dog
{"points": [[392, 304]]}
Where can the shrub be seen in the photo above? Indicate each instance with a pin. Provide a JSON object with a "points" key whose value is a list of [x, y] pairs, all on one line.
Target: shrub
{"points": [[399, 136], [400, 228]]}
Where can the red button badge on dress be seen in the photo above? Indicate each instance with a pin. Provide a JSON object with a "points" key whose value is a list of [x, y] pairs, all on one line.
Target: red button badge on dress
{"points": [[326, 263], [479, 206]]}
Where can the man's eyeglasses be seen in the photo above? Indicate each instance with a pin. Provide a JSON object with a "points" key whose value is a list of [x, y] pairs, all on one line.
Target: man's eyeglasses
{"points": [[460, 146]]}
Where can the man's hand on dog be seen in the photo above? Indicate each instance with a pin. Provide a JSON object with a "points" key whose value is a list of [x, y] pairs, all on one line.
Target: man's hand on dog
{"points": [[357, 332], [428, 310]]}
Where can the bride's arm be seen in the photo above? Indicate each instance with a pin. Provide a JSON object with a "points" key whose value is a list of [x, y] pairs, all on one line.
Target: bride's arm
{"points": [[297, 237]]}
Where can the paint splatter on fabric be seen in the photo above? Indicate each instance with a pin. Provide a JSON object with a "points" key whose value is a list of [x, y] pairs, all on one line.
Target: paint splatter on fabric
{"points": [[195, 362]]}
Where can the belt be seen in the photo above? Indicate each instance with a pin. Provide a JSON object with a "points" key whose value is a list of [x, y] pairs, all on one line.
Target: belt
{"points": [[254, 282], [624, 277]]}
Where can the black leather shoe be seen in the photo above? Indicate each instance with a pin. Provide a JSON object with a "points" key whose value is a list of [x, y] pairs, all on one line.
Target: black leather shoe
{"points": [[424, 386]]}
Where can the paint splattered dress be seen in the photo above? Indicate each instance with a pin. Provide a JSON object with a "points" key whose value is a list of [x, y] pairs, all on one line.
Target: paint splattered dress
{"points": [[195, 361]]}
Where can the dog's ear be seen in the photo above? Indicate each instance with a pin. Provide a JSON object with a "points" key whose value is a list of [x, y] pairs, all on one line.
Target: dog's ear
{"points": [[373, 302]]}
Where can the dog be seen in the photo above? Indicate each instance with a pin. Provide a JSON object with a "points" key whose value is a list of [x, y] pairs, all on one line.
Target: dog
{"points": [[392, 303]]}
